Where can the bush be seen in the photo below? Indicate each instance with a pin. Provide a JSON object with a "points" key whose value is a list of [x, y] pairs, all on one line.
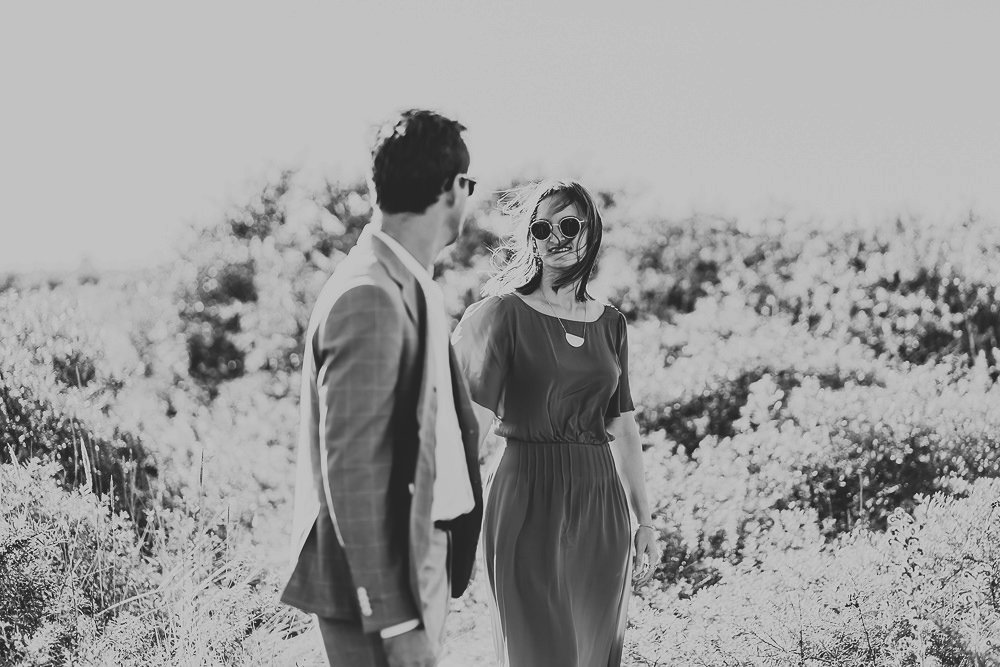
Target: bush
{"points": [[661, 269], [923, 593], [691, 379], [709, 505], [915, 290], [140, 432], [851, 455], [202, 602], [212, 307], [926, 430], [246, 286], [75, 587], [63, 556], [797, 386], [41, 415]]}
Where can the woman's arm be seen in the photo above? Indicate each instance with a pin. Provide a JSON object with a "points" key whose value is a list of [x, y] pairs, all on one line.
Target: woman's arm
{"points": [[484, 418], [627, 450]]}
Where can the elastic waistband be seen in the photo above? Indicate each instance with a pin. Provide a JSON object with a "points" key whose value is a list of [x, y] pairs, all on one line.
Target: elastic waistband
{"points": [[543, 443]]}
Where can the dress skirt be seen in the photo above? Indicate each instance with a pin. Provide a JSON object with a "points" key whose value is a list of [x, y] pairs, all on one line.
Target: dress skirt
{"points": [[557, 546]]}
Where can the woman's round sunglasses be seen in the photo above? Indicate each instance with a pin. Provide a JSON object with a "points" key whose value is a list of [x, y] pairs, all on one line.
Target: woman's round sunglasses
{"points": [[569, 227]]}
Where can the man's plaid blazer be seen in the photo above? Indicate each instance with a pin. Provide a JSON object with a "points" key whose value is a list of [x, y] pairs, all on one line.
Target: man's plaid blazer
{"points": [[365, 473]]}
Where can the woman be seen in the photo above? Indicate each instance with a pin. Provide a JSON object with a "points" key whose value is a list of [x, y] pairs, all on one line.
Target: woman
{"points": [[549, 365]]}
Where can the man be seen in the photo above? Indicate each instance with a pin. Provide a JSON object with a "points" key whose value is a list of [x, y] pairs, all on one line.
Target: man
{"points": [[388, 496]]}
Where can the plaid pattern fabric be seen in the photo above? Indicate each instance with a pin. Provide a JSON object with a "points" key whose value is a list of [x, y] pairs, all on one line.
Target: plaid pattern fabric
{"points": [[347, 645], [361, 378], [366, 450]]}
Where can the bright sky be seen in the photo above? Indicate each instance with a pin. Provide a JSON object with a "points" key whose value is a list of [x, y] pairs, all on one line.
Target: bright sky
{"points": [[120, 122]]}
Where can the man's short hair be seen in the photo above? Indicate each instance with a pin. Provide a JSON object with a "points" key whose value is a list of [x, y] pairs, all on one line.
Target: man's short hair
{"points": [[415, 158]]}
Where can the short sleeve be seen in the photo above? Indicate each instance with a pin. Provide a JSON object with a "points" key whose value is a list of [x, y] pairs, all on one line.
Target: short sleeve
{"points": [[483, 346], [621, 400]]}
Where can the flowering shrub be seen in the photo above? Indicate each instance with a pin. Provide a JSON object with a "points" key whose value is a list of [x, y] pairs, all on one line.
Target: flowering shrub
{"points": [[692, 378], [852, 454], [63, 557], [923, 593], [245, 286], [817, 409], [915, 290], [42, 417], [76, 587], [925, 430], [141, 431], [710, 506]]}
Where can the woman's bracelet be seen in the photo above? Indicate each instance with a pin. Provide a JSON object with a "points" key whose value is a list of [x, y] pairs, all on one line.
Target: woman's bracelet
{"points": [[646, 525]]}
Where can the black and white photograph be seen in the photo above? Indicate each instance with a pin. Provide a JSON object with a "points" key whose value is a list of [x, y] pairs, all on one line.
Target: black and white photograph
{"points": [[500, 334]]}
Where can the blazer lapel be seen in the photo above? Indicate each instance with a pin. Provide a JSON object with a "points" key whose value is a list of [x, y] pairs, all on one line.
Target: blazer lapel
{"points": [[400, 275]]}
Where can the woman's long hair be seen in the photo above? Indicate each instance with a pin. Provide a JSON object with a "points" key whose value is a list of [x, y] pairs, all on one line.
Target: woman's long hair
{"points": [[518, 268]]}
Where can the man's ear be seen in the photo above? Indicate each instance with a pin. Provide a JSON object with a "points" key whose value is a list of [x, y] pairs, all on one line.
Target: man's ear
{"points": [[449, 196]]}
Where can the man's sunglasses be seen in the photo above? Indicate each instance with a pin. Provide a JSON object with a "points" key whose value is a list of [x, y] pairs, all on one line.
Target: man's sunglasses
{"points": [[465, 179], [569, 227]]}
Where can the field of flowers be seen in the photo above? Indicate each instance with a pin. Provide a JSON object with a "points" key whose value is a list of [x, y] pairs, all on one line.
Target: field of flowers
{"points": [[819, 408]]}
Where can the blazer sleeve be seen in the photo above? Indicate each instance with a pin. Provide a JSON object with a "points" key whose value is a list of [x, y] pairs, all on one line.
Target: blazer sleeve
{"points": [[483, 342], [359, 356]]}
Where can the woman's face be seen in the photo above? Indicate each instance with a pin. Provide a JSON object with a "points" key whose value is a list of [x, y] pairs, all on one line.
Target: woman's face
{"points": [[558, 252]]}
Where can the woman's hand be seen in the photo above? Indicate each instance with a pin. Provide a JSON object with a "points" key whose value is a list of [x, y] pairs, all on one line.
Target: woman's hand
{"points": [[647, 555]]}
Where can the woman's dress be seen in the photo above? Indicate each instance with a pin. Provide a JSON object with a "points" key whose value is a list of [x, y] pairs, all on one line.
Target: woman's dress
{"points": [[556, 531]]}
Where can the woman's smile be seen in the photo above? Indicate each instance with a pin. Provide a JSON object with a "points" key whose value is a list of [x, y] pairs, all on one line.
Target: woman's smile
{"points": [[557, 249]]}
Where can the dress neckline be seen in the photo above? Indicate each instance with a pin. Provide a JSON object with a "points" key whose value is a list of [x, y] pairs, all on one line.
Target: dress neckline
{"points": [[556, 317]]}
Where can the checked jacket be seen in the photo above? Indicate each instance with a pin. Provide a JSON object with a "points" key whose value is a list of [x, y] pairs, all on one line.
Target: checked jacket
{"points": [[365, 470]]}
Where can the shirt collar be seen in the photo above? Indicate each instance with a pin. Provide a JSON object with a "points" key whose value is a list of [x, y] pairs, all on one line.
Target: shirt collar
{"points": [[409, 261]]}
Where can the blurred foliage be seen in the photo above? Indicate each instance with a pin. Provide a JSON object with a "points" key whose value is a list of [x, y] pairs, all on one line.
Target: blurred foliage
{"points": [[922, 593], [911, 290], [246, 285], [817, 406], [693, 376], [63, 557], [57, 387], [852, 456], [132, 545], [914, 290], [75, 588]]}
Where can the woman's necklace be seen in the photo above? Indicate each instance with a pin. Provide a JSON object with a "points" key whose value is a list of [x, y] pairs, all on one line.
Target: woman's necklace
{"points": [[572, 339]]}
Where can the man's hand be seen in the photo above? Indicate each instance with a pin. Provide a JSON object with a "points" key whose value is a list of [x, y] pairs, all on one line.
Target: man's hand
{"points": [[410, 649]]}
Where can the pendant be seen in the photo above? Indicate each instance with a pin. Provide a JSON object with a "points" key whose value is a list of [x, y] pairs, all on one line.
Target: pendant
{"points": [[575, 341]]}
